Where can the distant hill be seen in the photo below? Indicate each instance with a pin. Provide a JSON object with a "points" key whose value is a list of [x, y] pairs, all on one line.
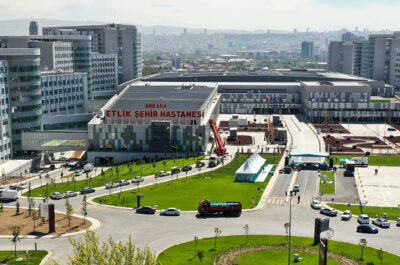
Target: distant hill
{"points": [[21, 27]]}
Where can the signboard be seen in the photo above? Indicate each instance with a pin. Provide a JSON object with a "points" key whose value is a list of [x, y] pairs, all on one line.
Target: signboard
{"points": [[154, 114], [44, 210], [323, 251], [275, 99], [324, 226]]}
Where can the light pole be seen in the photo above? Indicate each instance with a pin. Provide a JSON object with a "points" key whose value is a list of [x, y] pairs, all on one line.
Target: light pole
{"points": [[290, 222]]}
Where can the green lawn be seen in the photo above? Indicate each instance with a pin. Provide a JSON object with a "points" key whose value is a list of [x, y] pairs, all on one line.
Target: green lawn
{"points": [[327, 188], [184, 253], [111, 175], [392, 213], [388, 161], [379, 100], [217, 186], [7, 257], [280, 257]]}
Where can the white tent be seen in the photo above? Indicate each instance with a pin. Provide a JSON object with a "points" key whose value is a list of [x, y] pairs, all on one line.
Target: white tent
{"points": [[252, 165]]}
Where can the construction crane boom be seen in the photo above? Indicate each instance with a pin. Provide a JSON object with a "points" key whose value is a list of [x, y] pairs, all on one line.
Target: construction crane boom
{"points": [[220, 148]]}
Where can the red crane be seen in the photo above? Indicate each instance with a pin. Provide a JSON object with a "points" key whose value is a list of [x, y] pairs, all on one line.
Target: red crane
{"points": [[220, 149]]}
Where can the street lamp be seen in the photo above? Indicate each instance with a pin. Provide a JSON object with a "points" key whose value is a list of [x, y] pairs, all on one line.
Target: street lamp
{"points": [[291, 193]]}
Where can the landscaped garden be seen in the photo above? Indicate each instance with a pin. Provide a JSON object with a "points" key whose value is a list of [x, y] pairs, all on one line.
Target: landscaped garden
{"points": [[329, 186], [113, 174], [372, 211], [35, 257], [265, 249], [186, 193]]}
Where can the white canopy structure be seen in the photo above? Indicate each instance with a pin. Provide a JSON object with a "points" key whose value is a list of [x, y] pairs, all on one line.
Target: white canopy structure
{"points": [[249, 170]]}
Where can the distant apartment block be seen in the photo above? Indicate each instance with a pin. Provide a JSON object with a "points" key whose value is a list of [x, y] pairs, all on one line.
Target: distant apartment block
{"points": [[377, 58], [307, 48], [122, 40]]}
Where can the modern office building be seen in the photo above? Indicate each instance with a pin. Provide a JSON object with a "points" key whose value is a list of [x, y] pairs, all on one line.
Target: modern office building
{"points": [[5, 134], [25, 98], [55, 55], [307, 48], [33, 28], [63, 93], [377, 58], [123, 40], [104, 75]]}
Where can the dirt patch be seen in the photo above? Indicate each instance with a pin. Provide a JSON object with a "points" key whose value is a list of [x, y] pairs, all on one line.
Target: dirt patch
{"points": [[9, 218], [330, 128], [395, 125], [242, 140], [393, 139], [353, 144], [232, 256]]}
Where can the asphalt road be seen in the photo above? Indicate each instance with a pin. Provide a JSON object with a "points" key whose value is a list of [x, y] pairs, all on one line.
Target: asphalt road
{"points": [[161, 232]]}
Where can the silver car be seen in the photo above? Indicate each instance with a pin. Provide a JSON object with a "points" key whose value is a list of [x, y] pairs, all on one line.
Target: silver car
{"points": [[69, 194], [56, 196], [381, 222], [171, 212], [346, 215]]}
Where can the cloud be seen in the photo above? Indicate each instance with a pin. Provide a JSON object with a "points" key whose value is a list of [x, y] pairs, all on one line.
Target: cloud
{"points": [[223, 14]]}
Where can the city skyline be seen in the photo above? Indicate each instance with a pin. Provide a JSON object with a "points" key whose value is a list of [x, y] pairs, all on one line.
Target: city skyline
{"points": [[253, 14]]}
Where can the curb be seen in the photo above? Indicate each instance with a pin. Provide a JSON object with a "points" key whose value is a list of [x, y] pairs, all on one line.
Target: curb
{"points": [[96, 224], [44, 260]]}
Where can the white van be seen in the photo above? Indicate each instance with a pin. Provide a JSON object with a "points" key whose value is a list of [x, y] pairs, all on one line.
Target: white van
{"points": [[8, 195], [88, 167], [363, 219]]}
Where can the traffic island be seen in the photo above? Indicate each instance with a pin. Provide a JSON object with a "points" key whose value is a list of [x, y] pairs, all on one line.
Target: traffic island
{"points": [[38, 227], [269, 248], [31, 257]]}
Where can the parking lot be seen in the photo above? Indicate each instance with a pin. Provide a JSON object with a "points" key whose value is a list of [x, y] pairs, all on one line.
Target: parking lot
{"points": [[382, 189]]}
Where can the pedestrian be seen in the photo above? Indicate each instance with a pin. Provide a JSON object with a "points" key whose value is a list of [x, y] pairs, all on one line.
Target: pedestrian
{"points": [[100, 201], [298, 199]]}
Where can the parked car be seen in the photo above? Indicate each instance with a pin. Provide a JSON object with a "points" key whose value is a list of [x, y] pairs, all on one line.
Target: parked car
{"points": [[175, 170], [146, 210], [315, 204], [296, 188], [111, 185], [13, 187], [69, 194], [2, 188], [186, 168], [22, 186], [367, 228], [381, 222], [171, 212], [124, 182], [200, 164], [391, 129], [346, 215], [328, 211], [137, 179], [56, 196], [78, 173], [363, 219], [163, 173], [87, 190], [398, 222]]}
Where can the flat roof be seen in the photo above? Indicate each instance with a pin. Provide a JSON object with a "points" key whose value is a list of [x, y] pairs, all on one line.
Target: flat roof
{"points": [[176, 97]]}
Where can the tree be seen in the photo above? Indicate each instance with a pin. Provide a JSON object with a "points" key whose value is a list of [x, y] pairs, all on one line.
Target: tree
{"points": [[217, 232], [246, 231], [380, 255], [69, 211], [16, 231], [84, 208], [195, 245], [156, 177], [1, 208], [200, 255], [89, 250], [363, 242], [138, 185], [35, 216], [31, 204], [17, 208], [103, 175]]}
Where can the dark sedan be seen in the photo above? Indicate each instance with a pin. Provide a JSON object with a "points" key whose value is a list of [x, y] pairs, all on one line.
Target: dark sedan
{"points": [[367, 228], [87, 190], [146, 210], [186, 168]]}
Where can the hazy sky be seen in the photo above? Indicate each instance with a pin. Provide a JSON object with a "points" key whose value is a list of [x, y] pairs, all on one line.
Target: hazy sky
{"points": [[217, 14]]}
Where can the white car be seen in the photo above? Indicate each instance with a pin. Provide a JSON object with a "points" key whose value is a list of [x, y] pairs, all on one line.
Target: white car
{"points": [[346, 215], [78, 173], [124, 182], [381, 222], [137, 179], [69, 194], [296, 188], [315, 204], [363, 219], [111, 185], [2, 188], [163, 174], [56, 196], [171, 212], [22, 186]]}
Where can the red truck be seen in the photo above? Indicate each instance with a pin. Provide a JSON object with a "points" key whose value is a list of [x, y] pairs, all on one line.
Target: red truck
{"points": [[225, 208]]}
